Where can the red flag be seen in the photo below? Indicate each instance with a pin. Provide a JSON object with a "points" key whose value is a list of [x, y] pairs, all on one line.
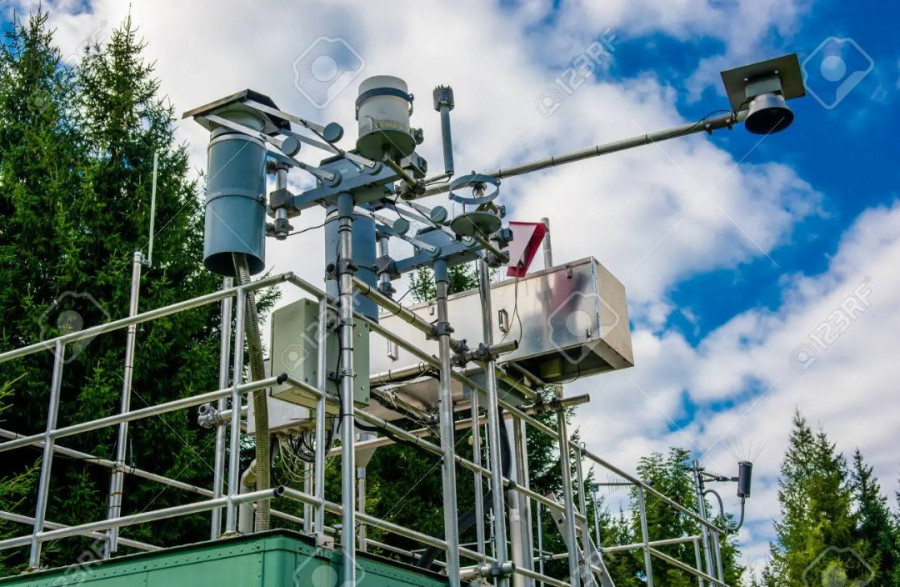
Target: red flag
{"points": [[527, 239]]}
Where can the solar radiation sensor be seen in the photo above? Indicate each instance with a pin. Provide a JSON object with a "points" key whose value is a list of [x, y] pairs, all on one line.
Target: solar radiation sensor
{"points": [[763, 88]]}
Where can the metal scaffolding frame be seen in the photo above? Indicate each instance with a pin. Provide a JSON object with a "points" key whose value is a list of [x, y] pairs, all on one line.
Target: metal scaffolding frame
{"points": [[499, 565], [354, 186]]}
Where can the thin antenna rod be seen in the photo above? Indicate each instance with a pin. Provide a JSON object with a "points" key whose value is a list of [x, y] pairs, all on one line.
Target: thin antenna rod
{"points": [[152, 209]]}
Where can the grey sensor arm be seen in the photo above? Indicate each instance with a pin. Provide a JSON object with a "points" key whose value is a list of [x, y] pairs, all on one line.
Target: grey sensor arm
{"points": [[708, 124]]}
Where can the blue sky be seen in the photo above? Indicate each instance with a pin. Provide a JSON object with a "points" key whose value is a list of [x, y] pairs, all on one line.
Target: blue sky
{"points": [[734, 251]]}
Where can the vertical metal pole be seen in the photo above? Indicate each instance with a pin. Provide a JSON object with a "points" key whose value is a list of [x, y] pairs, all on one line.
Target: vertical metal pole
{"points": [[596, 520], [345, 272], [361, 490], [513, 513], [582, 504], [645, 536], [479, 480], [701, 510], [540, 539], [566, 465], [493, 422], [697, 559], [382, 249], [234, 457], [521, 439], [548, 250], [321, 382], [720, 574], [152, 210], [446, 136], [308, 489], [361, 504], [43, 492], [117, 479], [548, 262], [445, 413], [222, 405]]}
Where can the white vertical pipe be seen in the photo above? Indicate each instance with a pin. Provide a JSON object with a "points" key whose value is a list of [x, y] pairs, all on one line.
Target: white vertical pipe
{"points": [[548, 250], [234, 461], [221, 405], [34, 561], [568, 500], [321, 382], [117, 479], [645, 535], [348, 432], [445, 413], [701, 510], [479, 479], [521, 435], [493, 423]]}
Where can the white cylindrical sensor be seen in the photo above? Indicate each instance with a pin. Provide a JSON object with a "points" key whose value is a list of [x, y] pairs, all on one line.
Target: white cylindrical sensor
{"points": [[382, 109]]}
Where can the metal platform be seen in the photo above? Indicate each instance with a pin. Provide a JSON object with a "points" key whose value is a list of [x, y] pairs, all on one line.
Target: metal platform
{"points": [[279, 558]]}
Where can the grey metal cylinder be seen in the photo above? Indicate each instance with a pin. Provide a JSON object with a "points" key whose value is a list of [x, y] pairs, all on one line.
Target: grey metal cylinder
{"points": [[235, 201], [745, 473], [363, 248]]}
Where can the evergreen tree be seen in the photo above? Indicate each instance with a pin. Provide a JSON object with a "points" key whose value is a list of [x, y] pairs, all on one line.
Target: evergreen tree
{"points": [[625, 568], [671, 475], [874, 526], [816, 532], [76, 154], [13, 489], [41, 164]]}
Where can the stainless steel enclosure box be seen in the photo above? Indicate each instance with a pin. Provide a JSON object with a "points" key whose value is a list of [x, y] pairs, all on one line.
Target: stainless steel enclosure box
{"points": [[294, 351], [570, 320]]}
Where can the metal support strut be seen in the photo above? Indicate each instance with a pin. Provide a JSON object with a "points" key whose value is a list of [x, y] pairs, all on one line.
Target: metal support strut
{"points": [[34, 561], [499, 527], [348, 434], [117, 479], [234, 457], [566, 465], [445, 409], [701, 509], [224, 353]]}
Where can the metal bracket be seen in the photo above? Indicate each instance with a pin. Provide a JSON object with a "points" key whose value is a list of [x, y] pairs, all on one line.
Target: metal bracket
{"points": [[387, 265], [483, 353], [345, 266], [280, 198], [439, 329], [480, 184]]}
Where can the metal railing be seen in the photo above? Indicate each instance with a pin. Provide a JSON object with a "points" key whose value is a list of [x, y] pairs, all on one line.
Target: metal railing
{"points": [[225, 488]]}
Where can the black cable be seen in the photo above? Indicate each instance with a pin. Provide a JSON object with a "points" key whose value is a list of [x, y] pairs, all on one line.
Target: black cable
{"points": [[308, 228], [396, 439], [515, 311]]}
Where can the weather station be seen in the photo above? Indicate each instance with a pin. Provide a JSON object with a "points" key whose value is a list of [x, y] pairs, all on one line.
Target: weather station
{"points": [[351, 369]]}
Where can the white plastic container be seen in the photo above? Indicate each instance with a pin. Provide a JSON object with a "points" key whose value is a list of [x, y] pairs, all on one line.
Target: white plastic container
{"points": [[382, 109]]}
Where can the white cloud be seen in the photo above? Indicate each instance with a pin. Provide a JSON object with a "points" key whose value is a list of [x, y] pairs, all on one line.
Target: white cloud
{"points": [[848, 389]]}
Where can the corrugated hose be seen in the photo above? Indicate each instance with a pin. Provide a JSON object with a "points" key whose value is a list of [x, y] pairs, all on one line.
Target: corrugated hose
{"points": [[260, 406]]}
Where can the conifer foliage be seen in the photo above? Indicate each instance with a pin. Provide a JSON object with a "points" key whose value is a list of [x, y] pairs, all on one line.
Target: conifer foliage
{"points": [[77, 143]]}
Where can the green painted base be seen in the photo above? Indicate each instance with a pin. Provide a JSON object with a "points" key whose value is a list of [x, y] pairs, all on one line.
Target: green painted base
{"points": [[279, 558]]}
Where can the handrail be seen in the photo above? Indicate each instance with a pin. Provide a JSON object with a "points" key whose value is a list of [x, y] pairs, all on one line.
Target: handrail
{"points": [[190, 304], [46, 531]]}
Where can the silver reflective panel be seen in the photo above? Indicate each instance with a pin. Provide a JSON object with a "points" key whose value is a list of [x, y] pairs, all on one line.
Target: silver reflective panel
{"points": [[570, 321]]}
